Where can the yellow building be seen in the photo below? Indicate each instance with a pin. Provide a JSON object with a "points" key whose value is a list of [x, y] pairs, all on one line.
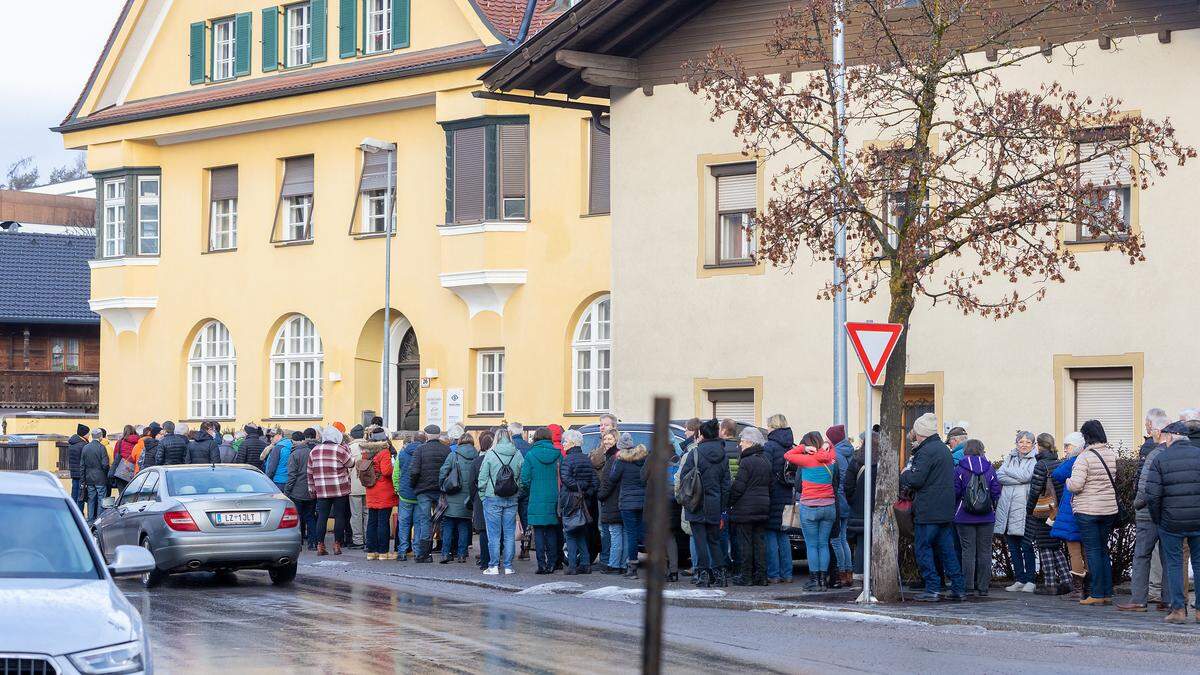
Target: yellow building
{"points": [[241, 239]]}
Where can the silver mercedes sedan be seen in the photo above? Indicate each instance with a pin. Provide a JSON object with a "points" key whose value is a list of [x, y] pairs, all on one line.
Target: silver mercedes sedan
{"points": [[193, 517]]}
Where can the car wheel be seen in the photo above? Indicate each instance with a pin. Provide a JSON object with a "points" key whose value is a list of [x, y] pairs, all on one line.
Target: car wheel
{"points": [[155, 576], [283, 575]]}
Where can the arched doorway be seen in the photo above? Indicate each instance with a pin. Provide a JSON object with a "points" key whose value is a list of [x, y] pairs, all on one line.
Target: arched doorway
{"points": [[408, 375]]}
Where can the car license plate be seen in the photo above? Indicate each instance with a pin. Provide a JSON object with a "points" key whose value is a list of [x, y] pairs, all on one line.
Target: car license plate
{"points": [[237, 518]]}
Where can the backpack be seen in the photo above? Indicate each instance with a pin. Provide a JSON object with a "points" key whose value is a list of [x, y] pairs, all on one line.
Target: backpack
{"points": [[452, 483], [368, 475], [505, 482], [977, 498], [691, 488]]}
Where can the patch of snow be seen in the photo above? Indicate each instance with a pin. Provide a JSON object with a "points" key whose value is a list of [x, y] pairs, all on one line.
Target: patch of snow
{"points": [[550, 588], [614, 593], [327, 563], [833, 615], [961, 629], [695, 593]]}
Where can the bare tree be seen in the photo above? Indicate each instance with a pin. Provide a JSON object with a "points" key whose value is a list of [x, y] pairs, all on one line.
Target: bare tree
{"points": [[22, 174], [73, 171], [975, 181]]}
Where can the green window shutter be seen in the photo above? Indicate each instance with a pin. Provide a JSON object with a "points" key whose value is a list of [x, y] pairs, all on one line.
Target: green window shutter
{"points": [[319, 22], [270, 39], [491, 178], [347, 28], [196, 56], [400, 23], [243, 33]]}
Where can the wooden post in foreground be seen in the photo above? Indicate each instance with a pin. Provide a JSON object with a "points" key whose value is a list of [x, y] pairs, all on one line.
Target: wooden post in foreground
{"points": [[658, 537]]}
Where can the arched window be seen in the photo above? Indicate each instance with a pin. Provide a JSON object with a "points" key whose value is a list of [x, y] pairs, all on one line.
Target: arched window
{"points": [[592, 358], [212, 374], [297, 369]]}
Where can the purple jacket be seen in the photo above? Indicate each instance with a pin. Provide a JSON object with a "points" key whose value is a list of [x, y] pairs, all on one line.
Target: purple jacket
{"points": [[967, 466]]}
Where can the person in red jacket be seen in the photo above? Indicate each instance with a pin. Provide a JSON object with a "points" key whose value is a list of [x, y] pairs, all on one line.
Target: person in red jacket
{"points": [[818, 502], [381, 496]]}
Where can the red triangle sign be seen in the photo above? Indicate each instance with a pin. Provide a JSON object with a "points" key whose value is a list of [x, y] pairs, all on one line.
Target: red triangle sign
{"points": [[874, 343]]}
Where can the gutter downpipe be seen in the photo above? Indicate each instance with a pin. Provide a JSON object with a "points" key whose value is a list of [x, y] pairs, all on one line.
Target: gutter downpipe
{"points": [[528, 19]]}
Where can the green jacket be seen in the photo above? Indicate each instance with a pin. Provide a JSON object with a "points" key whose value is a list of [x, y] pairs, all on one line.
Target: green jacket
{"points": [[456, 504], [539, 480], [500, 454]]}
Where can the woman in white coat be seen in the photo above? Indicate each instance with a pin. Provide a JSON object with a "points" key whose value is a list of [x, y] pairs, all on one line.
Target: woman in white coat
{"points": [[1015, 475]]}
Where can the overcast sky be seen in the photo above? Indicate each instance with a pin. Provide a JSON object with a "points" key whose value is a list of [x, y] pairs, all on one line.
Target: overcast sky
{"points": [[41, 77]]}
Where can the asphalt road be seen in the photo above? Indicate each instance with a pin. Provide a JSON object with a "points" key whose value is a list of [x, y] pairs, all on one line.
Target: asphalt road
{"points": [[336, 620]]}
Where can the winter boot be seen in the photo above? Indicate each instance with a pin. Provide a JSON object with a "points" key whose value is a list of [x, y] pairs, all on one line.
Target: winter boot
{"points": [[813, 583], [631, 571], [703, 578], [321, 548], [834, 580], [337, 548], [722, 579]]}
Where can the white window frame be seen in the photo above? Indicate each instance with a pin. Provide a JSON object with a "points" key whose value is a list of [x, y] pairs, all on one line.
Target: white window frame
{"points": [[298, 20], [297, 217], [142, 202], [297, 370], [489, 381], [114, 218], [374, 211], [746, 227], [591, 340], [222, 225], [378, 38], [212, 374], [224, 49]]}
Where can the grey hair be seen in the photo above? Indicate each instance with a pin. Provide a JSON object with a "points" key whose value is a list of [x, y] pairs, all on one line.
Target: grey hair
{"points": [[1189, 415], [753, 435], [572, 438], [777, 421], [455, 432], [515, 429], [611, 417], [1025, 434], [181, 429], [1074, 439], [1158, 418]]}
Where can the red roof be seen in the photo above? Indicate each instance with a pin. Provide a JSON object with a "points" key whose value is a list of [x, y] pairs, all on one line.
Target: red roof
{"points": [[505, 15]]}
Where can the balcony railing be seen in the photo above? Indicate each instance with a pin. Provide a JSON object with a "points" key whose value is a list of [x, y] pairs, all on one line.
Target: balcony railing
{"points": [[37, 390]]}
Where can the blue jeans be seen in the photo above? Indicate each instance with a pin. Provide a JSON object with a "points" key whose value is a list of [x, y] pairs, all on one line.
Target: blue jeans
{"points": [[1021, 552], [307, 510], [95, 495], [779, 555], [817, 523], [605, 542], [729, 547], [500, 515], [937, 539], [616, 549], [456, 530], [841, 547], [1093, 534], [577, 549], [379, 530], [423, 535], [547, 546], [404, 526], [1172, 548], [78, 493], [631, 522]]}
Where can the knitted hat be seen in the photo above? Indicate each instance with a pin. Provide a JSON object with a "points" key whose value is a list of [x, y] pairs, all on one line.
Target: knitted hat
{"points": [[356, 431], [836, 433], [926, 425], [340, 427], [433, 430], [379, 435], [625, 441], [297, 436], [956, 431], [82, 430]]}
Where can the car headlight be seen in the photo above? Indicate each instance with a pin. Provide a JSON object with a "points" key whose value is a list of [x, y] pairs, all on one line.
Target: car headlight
{"points": [[114, 660]]}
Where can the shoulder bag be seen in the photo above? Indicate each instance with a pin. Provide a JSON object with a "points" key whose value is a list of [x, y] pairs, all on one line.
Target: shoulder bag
{"points": [[1124, 517]]}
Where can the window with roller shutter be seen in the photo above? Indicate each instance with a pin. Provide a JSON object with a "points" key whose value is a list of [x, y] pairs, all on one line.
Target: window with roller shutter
{"points": [[1106, 394], [1110, 176], [373, 192], [736, 404], [296, 198], [487, 175], [737, 203], [223, 201]]}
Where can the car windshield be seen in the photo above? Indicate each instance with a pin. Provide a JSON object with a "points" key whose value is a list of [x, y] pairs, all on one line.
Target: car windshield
{"points": [[213, 481], [40, 539]]}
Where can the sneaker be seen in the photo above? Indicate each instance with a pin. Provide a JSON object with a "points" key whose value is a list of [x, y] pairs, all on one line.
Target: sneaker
{"points": [[927, 597], [492, 570], [1014, 587], [1176, 616], [509, 570], [1132, 607], [1029, 587], [374, 556]]}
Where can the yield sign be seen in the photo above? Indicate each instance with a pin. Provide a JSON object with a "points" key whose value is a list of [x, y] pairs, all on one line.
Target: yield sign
{"points": [[874, 343]]}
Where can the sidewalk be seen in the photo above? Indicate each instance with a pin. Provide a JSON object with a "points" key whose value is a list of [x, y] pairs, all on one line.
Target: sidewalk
{"points": [[1001, 610]]}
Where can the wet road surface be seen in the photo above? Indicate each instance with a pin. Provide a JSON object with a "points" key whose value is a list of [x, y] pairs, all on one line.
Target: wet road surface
{"points": [[200, 623]]}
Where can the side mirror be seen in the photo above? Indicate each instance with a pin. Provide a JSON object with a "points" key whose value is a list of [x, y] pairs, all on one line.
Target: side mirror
{"points": [[108, 503], [131, 561]]}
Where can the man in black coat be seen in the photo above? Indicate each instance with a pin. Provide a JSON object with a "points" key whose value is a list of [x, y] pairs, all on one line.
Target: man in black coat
{"points": [[74, 465], [708, 458], [252, 447], [150, 445], [172, 449], [1173, 498], [930, 477], [94, 462], [750, 508], [204, 449], [423, 477]]}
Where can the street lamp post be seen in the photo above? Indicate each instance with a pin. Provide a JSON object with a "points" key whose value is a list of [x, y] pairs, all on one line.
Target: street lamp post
{"points": [[374, 145], [839, 243]]}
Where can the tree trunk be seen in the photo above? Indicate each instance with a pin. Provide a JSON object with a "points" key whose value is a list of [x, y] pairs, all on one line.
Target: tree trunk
{"points": [[885, 560]]}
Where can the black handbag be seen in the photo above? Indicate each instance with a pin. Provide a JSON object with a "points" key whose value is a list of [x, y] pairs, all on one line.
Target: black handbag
{"points": [[573, 511], [1124, 515]]}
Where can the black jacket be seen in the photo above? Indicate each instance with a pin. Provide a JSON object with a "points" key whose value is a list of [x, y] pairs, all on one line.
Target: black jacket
{"points": [[203, 450], [856, 491], [172, 449], [94, 462], [75, 456], [251, 449], [608, 493], [778, 442], [426, 463], [576, 473], [750, 494], [476, 504], [297, 468], [1173, 488], [625, 479], [1037, 528], [709, 458], [149, 452], [931, 479]]}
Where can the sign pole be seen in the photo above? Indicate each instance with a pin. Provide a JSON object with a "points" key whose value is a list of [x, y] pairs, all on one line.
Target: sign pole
{"points": [[868, 500]]}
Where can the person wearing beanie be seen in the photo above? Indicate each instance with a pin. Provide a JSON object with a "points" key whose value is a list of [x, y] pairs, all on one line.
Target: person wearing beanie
{"points": [[844, 449], [297, 489], [251, 449], [709, 460], [1094, 503], [956, 440], [380, 497], [929, 477], [75, 447], [357, 431], [358, 493], [422, 476]]}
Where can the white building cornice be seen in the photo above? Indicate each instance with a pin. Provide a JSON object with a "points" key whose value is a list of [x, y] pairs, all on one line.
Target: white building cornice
{"points": [[124, 313], [480, 228], [484, 290], [105, 263]]}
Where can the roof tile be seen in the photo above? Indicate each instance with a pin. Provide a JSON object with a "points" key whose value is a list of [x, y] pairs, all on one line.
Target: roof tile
{"points": [[46, 278]]}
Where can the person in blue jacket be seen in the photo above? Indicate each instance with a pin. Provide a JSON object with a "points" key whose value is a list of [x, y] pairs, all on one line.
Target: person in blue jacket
{"points": [[1064, 523]]}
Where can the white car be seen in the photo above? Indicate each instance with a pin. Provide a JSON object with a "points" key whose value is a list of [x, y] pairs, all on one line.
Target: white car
{"points": [[60, 612]]}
